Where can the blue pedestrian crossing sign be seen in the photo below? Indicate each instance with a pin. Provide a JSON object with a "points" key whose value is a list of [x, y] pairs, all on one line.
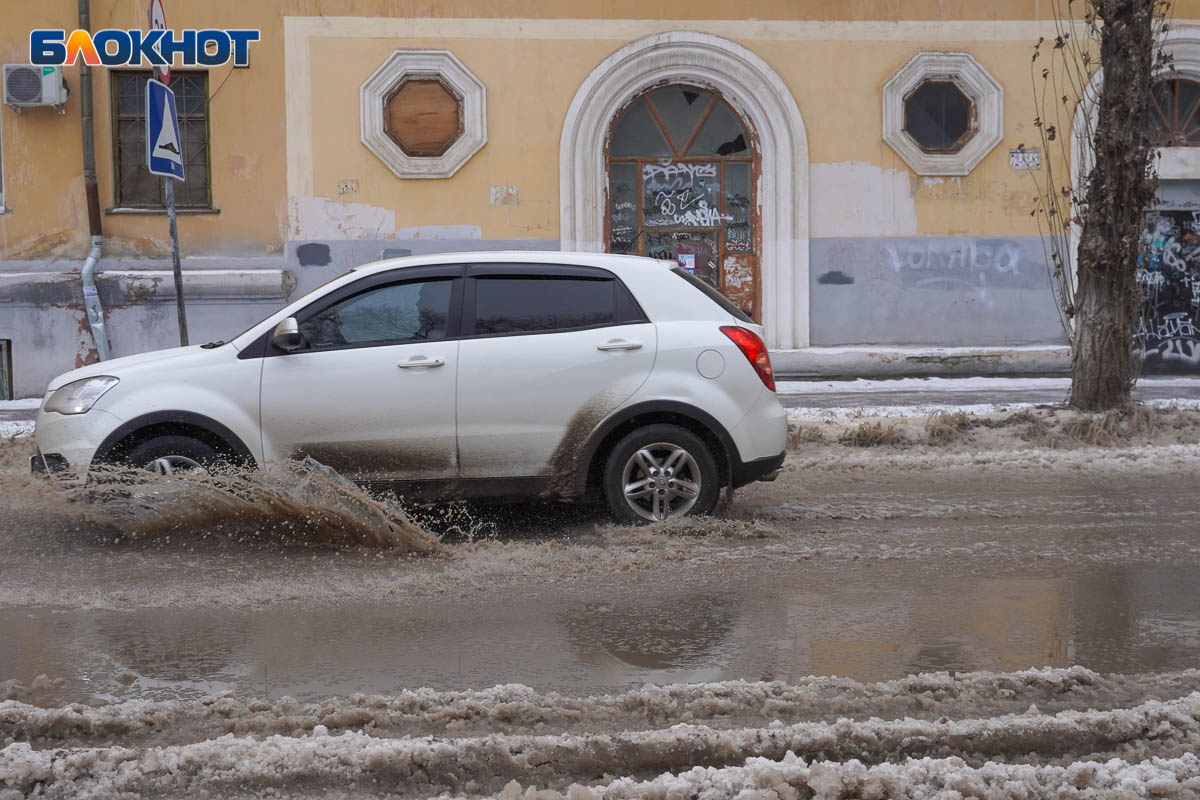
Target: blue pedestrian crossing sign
{"points": [[163, 154]]}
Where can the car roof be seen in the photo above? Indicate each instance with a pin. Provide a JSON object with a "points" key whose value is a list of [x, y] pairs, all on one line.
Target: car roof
{"points": [[616, 263]]}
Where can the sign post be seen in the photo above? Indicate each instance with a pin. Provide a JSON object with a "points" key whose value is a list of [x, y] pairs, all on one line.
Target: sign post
{"points": [[163, 154], [164, 157]]}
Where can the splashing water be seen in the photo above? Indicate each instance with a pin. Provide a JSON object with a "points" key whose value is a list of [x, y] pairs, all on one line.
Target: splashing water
{"points": [[305, 499]]}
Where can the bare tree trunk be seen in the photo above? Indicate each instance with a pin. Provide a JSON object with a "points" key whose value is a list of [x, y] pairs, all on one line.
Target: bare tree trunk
{"points": [[1120, 189]]}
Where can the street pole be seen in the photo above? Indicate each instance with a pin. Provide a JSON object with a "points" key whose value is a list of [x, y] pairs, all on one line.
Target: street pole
{"points": [[169, 188]]}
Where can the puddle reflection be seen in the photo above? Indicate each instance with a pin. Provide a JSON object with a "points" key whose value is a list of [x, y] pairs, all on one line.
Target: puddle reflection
{"points": [[870, 626]]}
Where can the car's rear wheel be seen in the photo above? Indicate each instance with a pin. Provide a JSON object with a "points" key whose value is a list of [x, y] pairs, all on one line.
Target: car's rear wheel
{"points": [[174, 454], [660, 472]]}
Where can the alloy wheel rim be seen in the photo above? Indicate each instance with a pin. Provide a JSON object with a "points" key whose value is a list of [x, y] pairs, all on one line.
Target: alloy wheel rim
{"points": [[173, 465], [661, 481]]}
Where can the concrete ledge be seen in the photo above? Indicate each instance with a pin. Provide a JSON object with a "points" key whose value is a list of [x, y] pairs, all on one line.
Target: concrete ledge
{"points": [[895, 362], [125, 287], [199, 285], [136, 264]]}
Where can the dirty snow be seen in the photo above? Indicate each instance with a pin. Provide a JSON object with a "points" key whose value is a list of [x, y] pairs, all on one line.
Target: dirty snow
{"points": [[977, 734], [14, 428], [24, 404], [976, 409], [977, 384]]}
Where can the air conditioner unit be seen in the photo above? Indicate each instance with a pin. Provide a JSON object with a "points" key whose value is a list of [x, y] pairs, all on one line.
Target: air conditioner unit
{"points": [[26, 86]]}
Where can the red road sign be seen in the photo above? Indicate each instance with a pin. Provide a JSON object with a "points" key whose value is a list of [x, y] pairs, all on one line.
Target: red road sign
{"points": [[158, 21]]}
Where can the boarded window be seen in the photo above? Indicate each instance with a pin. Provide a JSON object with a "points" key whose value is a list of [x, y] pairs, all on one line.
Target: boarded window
{"points": [[424, 117], [937, 115], [135, 186]]}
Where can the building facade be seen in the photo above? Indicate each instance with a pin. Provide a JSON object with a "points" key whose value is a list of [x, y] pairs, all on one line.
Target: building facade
{"points": [[858, 175]]}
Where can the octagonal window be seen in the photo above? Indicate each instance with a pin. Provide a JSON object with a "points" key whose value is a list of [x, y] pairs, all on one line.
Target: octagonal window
{"points": [[424, 117], [938, 117]]}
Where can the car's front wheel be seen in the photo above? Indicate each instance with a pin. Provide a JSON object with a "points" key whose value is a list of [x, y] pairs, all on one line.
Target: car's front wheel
{"points": [[660, 472], [173, 454]]}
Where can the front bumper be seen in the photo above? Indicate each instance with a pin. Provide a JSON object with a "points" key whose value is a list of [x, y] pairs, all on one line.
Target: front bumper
{"points": [[69, 441]]}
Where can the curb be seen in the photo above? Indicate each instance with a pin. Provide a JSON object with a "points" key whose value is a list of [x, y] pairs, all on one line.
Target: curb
{"points": [[921, 362]]}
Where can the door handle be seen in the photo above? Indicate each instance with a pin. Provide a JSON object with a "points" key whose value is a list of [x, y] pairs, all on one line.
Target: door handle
{"points": [[619, 344], [420, 361]]}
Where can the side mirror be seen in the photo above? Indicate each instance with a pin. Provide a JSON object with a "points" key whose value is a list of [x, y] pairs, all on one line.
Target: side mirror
{"points": [[286, 335]]}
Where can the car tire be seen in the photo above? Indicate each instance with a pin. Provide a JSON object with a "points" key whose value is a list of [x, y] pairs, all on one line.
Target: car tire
{"points": [[686, 480], [172, 454]]}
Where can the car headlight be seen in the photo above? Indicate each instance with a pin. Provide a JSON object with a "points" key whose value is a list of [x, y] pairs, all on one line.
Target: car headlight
{"points": [[78, 397]]}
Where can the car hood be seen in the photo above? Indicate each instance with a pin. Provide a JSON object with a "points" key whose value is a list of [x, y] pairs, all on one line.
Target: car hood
{"points": [[155, 359]]}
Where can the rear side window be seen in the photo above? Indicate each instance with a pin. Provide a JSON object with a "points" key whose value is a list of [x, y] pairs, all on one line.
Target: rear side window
{"points": [[414, 311], [526, 304], [713, 295]]}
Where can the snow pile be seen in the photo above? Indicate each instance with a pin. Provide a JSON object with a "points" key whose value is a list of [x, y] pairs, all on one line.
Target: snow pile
{"points": [[793, 777], [514, 707], [10, 429], [13, 413], [974, 384], [1169, 459], [925, 409], [553, 743]]}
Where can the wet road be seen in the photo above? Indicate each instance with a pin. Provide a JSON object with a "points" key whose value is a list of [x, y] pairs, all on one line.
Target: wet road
{"points": [[871, 565]]}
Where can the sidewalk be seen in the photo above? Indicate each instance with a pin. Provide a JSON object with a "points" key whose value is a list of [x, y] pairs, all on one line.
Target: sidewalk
{"points": [[899, 362]]}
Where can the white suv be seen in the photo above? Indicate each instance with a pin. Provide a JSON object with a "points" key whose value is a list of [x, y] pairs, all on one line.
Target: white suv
{"points": [[504, 374]]}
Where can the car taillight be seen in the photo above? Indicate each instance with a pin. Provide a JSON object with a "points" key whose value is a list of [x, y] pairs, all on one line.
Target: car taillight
{"points": [[754, 350]]}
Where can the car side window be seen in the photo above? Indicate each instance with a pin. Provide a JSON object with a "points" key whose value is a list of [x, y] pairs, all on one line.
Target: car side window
{"points": [[532, 303], [413, 311]]}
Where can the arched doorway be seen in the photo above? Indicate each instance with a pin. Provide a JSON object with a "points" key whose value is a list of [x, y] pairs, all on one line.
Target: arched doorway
{"points": [[681, 172], [1167, 338], [760, 98]]}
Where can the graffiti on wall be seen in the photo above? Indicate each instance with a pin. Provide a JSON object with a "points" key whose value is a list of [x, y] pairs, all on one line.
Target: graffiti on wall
{"points": [[932, 290], [1168, 274], [955, 255]]}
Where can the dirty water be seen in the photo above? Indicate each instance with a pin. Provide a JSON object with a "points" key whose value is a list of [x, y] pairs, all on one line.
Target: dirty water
{"points": [[871, 564]]}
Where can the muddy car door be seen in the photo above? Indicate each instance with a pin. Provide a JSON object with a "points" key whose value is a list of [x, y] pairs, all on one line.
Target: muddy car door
{"points": [[370, 390], [547, 352]]}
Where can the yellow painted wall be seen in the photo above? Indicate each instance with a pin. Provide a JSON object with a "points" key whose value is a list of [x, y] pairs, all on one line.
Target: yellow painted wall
{"points": [[836, 80], [43, 161], [839, 94]]}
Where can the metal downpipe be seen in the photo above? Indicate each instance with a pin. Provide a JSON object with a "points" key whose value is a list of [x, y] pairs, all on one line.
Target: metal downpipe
{"points": [[91, 299]]}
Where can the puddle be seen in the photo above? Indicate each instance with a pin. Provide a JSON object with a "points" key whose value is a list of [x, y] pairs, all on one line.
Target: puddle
{"points": [[777, 625]]}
